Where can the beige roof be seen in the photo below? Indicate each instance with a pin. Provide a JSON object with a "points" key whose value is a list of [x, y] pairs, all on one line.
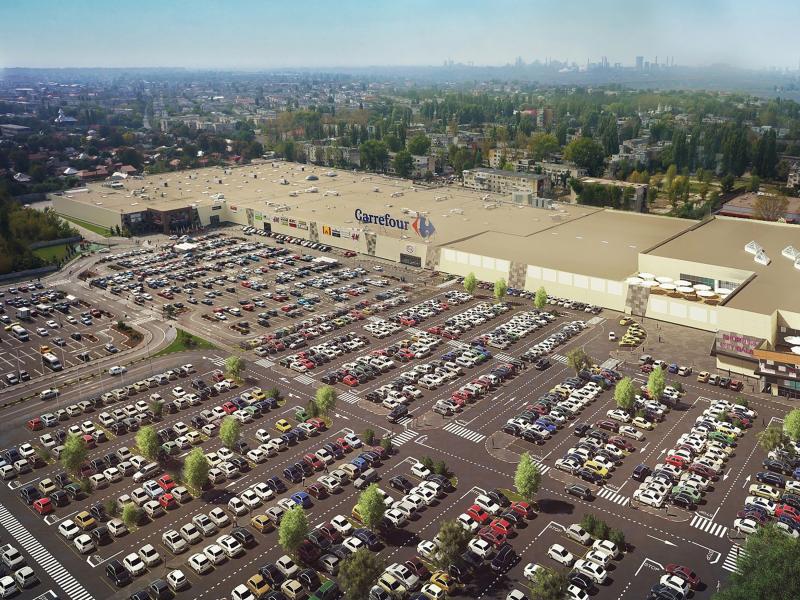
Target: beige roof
{"points": [[721, 242], [603, 243]]}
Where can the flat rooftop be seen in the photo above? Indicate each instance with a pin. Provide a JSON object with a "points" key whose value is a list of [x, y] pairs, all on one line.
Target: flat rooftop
{"points": [[602, 243], [721, 242]]}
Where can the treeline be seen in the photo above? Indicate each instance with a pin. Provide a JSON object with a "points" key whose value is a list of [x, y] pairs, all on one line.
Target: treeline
{"points": [[19, 227]]}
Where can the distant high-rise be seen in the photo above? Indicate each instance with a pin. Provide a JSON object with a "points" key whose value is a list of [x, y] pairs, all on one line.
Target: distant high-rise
{"points": [[639, 63]]}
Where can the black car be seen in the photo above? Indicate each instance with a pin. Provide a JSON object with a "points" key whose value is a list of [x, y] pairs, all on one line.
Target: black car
{"points": [[581, 491], [505, 558], [117, 573], [370, 539], [581, 429], [293, 474], [101, 535], [272, 574], [29, 494], [240, 463], [443, 481], [588, 475], [512, 429], [792, 500], [499, 497], [541, 364], [241, 446], [309, 579], [663, 592], [777, 466], [472, 559], [641, 472], [771, 478], [580, 580], [276, 485], [683, 501], [401, 483], [59, 498], [98, 511], [139, 595], [159, 590], [244, 536]]}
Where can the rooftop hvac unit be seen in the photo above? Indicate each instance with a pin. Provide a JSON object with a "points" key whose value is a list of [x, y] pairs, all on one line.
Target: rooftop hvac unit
{"points": [[457, 211], [440, 198], [491, 206], [762, 258], [331, 193], [311, 190], [791, 253], [397, 194], [797, 264], [293, 194], [284, 207], [753, 247]]}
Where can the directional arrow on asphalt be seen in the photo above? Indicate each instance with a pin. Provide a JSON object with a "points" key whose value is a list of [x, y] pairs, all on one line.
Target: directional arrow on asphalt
{"points": [[746, 480], [283, 379], [726, 475], [645, 447], [338, 416], [421, 439], [660, 454], [667, 542], [291, 395]]}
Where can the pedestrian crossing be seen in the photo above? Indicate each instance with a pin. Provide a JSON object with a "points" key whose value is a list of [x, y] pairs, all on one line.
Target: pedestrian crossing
{"points": [[263, 362], [305, 379], [402, 438], [730, 561], [559, 358], [57, 282], [543, 468], [404, 420], [72, 588], [349, 397], [217, 360], [504, 357], [457, 344], [613, 496], [467, 434], [707, 525]]}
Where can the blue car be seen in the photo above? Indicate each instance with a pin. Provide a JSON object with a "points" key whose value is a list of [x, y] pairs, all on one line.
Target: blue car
{"points": [[302, 499], [796, 473], [546, 424], [360, 464]]}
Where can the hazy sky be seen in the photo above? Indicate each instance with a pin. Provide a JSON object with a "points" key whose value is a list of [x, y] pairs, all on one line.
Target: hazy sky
{"points": [[251, 34]]}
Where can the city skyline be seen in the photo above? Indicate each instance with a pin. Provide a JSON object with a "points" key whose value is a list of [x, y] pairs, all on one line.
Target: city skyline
{"points": [[251, 36]]}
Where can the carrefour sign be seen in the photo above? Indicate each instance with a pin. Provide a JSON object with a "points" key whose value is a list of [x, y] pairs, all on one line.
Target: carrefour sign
{"points": [[421, 225]]}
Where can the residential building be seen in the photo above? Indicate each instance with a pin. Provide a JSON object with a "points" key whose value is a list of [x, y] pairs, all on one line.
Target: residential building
{"points": [[506, 182]]}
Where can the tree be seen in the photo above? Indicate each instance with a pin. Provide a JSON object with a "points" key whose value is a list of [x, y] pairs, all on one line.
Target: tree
{"points": [[755, 183], [195, 469], [527, 477], [293, 529], [656, 383], [419, 145], [470, 283], [500, 289], [373, 155], [131, 514], [727, 182], [74, 453], [453, 541], [371, 506], [156, 407], [325, 399], [791, 425], [625, 394], [147, 442], [369, 436], [358, 573], [617, 536], [578, 359], [386, 444], [766, 568], [542, 146], [403, 163], [549, 584], [230, 431], [770, 208], [234, 367], [773, 438], [586, 153], [540, 299]]}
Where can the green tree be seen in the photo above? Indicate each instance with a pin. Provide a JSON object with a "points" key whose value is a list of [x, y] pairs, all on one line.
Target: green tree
{"points": [[549, 584], [617, 536], [371, 506], [770, 207], [325, 399], [195, 469], [766, 568], [369, 436], [500, 289], [755, 183], [147, 442], [453, 541], [358, 573], [131, 514], [625, 394], [156, 407], [470, 283], [578, 360], [587, 153], [791, 424], [373, 155], [527, 477], [773, 438], [540, 299], [403, 163], [293, 529], [234, 367], [111, 506], [74, 453], [386, 444], [727, 183], [656, 383], [419, 145], [542, 146], [230, 431]]}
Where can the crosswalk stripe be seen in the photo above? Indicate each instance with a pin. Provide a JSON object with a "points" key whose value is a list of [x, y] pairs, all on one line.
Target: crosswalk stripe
{"points": [[349, 397], [263, 362], [217, 360], [504, 357], [404, 420], [730, 561], [707, 525], [613, 496], [73, 589], [559, 358], [402, 438], [467, 434], [304, 379]]}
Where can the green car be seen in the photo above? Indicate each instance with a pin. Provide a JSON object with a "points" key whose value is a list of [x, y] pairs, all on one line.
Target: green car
{"points": [[688, 491], [301, 415], [719, 436], [170, 448]]}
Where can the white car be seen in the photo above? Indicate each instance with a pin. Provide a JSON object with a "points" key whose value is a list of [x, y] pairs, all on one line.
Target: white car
{"points": [[287, 566], [420, 470], [149, 555], [117, 370], [134, 564], [84, 543], [219, 517], [530, 571], [200, 563], [592, 570], [649, 497], [215, 554], [230, 546], [746, 526], [8, 587], [678, 584], [561, 555], [341, 524], [468, 523], [264, 492], [481, 548], [68, 529], [237, 506], [619, 415], [427, 549], [488, 504]]}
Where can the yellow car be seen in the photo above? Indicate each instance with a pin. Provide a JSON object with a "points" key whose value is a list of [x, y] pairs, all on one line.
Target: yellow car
{"points": [[596, 467], [262, 523], [258, 585], [642, 423], [84, 520], [703, 376], [258, 394], [283, 425], [764, 491], [10, 325], [625, 321], [729, 430], [444, 581]]}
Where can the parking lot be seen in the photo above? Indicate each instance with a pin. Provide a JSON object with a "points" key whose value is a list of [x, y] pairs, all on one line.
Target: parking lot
{"points": [[448, 376]]}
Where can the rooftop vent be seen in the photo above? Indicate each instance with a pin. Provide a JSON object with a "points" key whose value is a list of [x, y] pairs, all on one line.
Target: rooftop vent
{"points": [[753, 248], [762, 258], [791, 253]]}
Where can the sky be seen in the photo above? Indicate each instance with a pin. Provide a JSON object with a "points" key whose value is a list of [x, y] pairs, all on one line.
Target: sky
{"points": [[253, 34]]}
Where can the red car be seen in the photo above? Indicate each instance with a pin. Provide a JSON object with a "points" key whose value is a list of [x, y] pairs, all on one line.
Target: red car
{"points": [[317, 423], [315, 490], [493, 537], [35, 424], [608, 425], [684, 573], [646, 368], [501, 526], [229, 408], [167, 501], [621, 443], [676, 461], [89, 441], [217, 376], [166, 482], [43, 506], [477, 513], [758, 517], [703, 471], [343, 443], [736, 385], [435, 330], [350, 381], [523, 509], [312, 460], [788, 511]]}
